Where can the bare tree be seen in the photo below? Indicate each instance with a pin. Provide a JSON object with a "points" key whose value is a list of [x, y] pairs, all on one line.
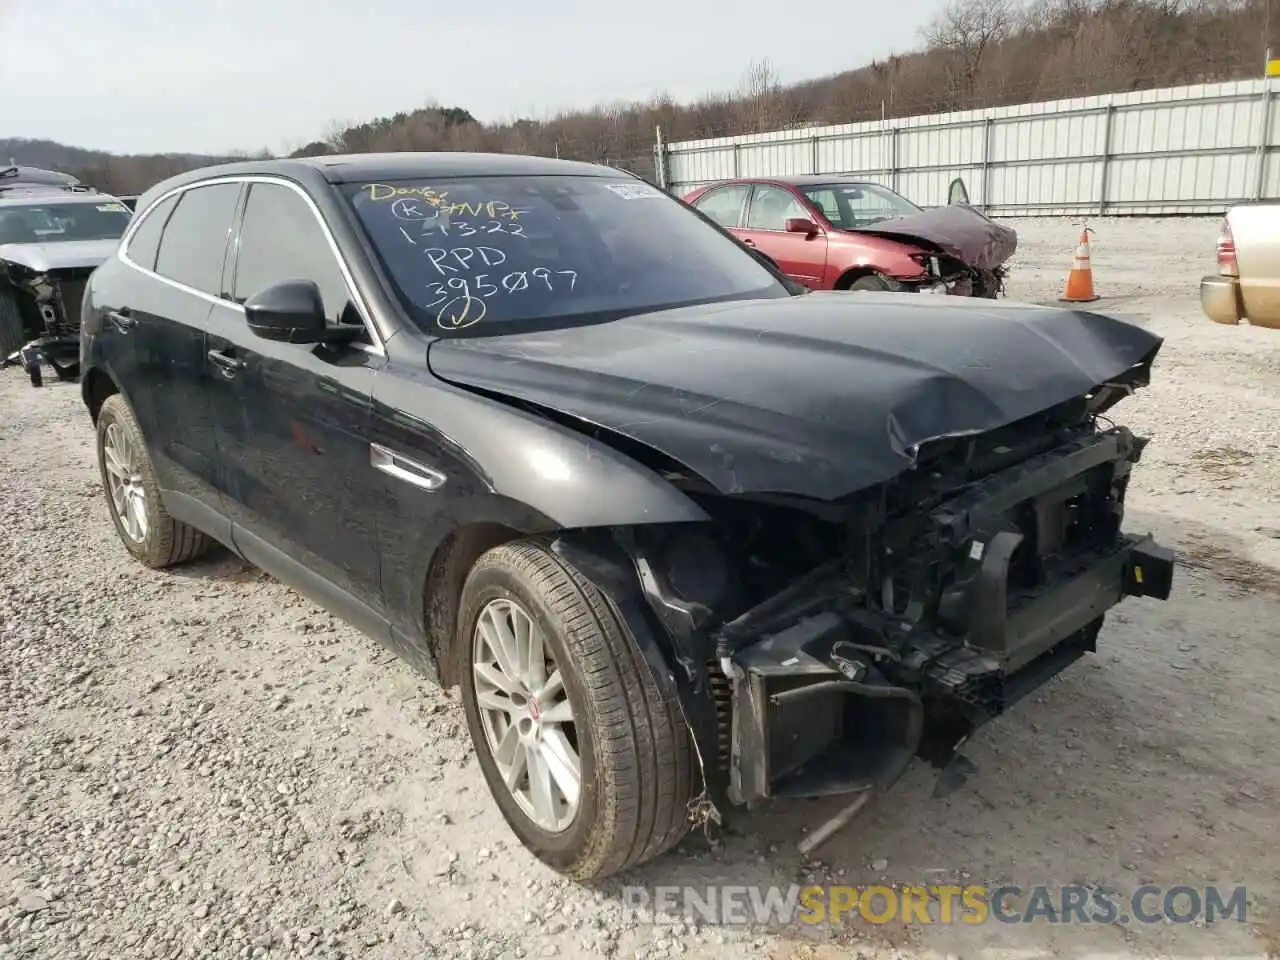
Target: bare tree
{"points": [[968, 30], [760, 97]]}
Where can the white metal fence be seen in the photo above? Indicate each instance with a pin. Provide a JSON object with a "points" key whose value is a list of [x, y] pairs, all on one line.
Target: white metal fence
{"points": [[1186, 150]]}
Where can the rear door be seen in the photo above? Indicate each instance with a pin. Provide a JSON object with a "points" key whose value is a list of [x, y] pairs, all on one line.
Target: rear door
{"points": [[293, 420], [152, 320], [802, 258]]}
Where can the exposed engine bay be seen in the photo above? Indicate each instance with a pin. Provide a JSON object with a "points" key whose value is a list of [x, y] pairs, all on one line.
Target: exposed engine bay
{"points": [[951, 276]]}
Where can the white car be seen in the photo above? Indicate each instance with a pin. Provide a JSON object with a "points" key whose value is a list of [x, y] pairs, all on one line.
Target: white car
{"points": [[53, 235]]}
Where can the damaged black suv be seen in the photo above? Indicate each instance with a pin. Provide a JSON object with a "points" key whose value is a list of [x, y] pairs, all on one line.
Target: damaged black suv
{"points": [[683, 537]]}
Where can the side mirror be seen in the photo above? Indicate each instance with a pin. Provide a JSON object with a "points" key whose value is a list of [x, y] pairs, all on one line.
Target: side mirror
{"points": [[802, 225], [291, 312], [957, 193]]}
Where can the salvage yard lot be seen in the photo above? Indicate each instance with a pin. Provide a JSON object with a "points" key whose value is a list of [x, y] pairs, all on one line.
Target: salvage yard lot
{"points": [[201, 763]]}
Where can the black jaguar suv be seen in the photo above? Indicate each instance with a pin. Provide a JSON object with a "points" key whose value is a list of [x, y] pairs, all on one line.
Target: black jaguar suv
{"points": [[684, 536]]}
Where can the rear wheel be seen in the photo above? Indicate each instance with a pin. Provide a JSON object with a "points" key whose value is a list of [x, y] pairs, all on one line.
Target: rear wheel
{"points": [[133, 496], [590, 765]]}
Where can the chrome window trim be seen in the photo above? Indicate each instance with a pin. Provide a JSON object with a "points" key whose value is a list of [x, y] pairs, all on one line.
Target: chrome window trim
{"points": [[377, 348]]}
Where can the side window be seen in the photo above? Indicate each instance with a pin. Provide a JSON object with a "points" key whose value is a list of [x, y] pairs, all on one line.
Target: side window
{"points": [[772, 207], [145, 243], [281, 239], [195, 238], [723, 204]]}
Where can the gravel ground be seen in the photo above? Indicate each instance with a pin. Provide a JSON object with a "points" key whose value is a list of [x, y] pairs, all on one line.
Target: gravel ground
{"points": [[203, 764]]}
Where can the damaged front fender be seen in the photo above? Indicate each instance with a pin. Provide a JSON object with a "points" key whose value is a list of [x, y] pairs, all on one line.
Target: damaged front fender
{"points": [[617, 563]]}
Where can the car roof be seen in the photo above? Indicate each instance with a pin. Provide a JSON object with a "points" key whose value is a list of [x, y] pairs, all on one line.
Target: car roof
{"points": [[31, 195], [801, 180], [818, 178], [814, 179], [347, 168], [372, 167], [363, 167]]}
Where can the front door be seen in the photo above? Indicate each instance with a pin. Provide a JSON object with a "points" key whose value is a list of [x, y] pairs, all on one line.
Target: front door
{"points": [[801, 257], [294, 419]]}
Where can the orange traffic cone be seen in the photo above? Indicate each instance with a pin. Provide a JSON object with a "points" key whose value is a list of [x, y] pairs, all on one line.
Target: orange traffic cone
{"points": [[1079, 287]]}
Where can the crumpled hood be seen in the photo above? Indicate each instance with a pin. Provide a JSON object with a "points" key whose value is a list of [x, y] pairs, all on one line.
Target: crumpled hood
{"points": [[958, 230], [818, 395], [58, 256]]}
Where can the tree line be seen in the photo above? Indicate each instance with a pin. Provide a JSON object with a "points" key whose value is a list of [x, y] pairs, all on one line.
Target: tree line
{"points": [[974, 54]]}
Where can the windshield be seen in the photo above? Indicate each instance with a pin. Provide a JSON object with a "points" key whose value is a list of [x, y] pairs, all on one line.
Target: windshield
{"points": [[850, 206], [495, 254], [60, 222]]}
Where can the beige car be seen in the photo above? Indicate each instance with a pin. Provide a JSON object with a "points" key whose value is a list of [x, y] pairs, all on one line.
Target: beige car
{"points": [[1247, 284]]}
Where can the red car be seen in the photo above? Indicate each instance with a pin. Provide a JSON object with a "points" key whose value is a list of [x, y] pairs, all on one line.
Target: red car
{"points": [[840, 233]]}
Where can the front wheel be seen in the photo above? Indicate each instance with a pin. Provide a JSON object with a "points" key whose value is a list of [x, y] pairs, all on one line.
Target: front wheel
{"points": [[591, 766], [872, 282]]}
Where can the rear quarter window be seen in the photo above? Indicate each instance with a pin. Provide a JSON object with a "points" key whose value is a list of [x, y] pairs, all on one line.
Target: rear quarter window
{"points": [[145, 242]]}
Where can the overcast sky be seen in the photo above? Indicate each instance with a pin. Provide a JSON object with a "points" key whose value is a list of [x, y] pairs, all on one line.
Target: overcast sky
{"points": [[212, 75]]}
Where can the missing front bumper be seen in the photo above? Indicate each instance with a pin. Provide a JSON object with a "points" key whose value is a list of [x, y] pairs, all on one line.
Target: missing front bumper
{"points": [[842, 697], [819, 710]]}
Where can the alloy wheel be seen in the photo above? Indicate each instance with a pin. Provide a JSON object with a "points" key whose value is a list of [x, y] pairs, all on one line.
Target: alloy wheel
{"points": [[124, 482], [526, 715]]}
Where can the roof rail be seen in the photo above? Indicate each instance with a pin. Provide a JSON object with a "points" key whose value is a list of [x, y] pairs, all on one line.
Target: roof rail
{"points": [[25, 186]]}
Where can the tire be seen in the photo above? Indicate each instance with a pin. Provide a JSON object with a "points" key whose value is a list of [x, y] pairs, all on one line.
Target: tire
{"points": [[12, 334], [164, 541], [635, 753], [870, 282]]}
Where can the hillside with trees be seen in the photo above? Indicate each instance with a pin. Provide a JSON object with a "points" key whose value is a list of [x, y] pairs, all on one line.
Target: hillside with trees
{"points": [[974, 54], [118, 173]]}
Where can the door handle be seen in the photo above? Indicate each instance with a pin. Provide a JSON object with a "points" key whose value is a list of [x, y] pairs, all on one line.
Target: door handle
{"points": [[749, 243], [121, 320], [402, 468], [229, 365]]}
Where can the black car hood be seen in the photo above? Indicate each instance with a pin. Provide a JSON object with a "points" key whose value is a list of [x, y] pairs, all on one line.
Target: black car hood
{"points": [[958, 230], [818, 395]]}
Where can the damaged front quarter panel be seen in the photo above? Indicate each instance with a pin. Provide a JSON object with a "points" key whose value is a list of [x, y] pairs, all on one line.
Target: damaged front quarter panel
{"points": [[908, 526], [817, 649], [667, 629]]}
